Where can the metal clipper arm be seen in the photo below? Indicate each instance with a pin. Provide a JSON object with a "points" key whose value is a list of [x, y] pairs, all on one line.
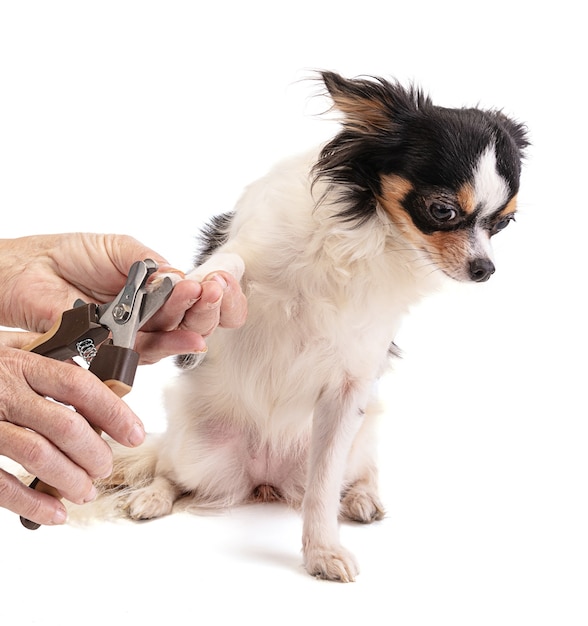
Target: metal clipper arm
{"points": [[117, 361]]}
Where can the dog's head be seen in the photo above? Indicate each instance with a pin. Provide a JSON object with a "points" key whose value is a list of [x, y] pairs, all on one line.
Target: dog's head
{"points": [[447, 178]]}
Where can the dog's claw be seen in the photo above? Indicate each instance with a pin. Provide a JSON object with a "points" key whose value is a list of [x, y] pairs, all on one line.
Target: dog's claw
{"points": [[335, 564], [359, 505]]}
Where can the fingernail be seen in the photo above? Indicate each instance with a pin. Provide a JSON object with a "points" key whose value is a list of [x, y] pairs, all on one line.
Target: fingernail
{"points": [[91, 496], [137, 435], [220, 280], [60, 516], [105, 474]]}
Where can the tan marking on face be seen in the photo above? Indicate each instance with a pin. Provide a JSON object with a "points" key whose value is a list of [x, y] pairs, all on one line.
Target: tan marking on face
{"points": [[467, 198], [450, 250], [394, 190], [511, 207]]}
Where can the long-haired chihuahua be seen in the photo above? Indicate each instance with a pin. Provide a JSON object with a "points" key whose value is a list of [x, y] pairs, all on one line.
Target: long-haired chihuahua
{"points": [[337, 245]]}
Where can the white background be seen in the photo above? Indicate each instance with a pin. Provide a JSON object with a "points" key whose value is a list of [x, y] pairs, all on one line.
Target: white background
{"points": [[148, 117]]}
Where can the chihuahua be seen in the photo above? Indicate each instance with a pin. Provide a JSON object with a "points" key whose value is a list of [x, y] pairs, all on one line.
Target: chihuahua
{"points": [[334, 248]]}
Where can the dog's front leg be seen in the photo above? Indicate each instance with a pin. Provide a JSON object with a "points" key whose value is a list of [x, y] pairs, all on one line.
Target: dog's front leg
{"points": [[337, 418]]}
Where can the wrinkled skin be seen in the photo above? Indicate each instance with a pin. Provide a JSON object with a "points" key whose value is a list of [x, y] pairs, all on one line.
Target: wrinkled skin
{"points": [[42, 276]]}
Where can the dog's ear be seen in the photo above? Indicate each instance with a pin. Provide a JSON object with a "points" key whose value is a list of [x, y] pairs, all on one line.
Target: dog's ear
{"points": [[511, 135], [517, 131], [371, 104]]}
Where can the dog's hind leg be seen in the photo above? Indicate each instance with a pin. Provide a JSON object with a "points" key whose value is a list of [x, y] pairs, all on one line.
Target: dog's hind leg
{"points": [[205, 465], [338, 417]]}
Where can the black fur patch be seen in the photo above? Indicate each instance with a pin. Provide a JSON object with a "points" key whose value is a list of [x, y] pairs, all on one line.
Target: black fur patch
{"points": [[394, 351], [188, 361], [212, 236], [390, 129]]}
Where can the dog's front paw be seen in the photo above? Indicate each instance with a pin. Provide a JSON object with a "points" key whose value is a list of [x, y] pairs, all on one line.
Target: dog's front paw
{"points": [[220, 261], [360, 505], [331, 563]]}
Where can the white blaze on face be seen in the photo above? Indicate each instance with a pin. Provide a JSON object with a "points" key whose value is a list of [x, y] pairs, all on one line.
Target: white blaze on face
{"points": [[491, 193], [481, 245], [490, 189]]}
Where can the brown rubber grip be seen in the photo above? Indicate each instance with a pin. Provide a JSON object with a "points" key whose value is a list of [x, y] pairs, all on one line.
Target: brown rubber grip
{"points": [[39, 485], [116, 367], [30, 347], [60, 342], [120, 389]]}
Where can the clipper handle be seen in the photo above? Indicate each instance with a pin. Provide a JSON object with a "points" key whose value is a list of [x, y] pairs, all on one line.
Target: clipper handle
{"points": [[61, 341], [115, 366], [39, 485]]}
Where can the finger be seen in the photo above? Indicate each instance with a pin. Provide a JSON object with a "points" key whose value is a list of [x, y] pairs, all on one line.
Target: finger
{"points": [[233, 310], [185, 294], [61, 433], [155, 346], [41, 458], [92, 399], [32, 505], [204, 315], [16, 339], [231, 307]]}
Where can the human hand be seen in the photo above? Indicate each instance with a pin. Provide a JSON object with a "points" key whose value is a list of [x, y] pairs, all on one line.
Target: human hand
{"points": [[43, 275], [192, 313], [221, 302], [49, 439]]}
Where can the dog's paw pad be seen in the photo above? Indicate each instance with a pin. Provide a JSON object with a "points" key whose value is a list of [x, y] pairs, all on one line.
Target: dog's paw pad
{"points": [[358, 505], [334, 563]]}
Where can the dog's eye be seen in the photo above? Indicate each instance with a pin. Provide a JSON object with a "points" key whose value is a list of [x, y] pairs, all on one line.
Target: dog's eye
{"points": [[442, 212], [502, 224]]}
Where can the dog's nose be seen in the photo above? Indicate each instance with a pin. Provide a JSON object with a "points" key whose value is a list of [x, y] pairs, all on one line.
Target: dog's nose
{"points": [[481, 269]]}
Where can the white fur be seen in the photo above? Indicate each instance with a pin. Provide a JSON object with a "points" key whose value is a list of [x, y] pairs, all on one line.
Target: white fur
{"points": [[490, 189], [481, 245], [285, 404], [490, 192]]}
